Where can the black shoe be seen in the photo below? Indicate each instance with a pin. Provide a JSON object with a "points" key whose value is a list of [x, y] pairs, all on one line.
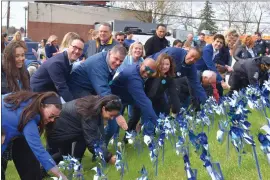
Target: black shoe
{"points": [[125, 140]]}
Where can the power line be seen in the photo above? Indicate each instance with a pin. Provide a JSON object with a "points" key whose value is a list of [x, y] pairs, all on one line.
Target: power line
{"points": [[198, 18]]}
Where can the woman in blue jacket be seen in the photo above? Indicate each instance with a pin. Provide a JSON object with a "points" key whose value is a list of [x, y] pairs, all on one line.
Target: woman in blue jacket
{"points": [[25, 116]]}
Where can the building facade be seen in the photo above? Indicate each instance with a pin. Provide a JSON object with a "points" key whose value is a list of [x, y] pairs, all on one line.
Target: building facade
{"points": [[45, 19]]}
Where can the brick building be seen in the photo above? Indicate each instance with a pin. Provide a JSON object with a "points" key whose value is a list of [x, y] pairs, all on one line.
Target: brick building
{"points": [[45, 19]]}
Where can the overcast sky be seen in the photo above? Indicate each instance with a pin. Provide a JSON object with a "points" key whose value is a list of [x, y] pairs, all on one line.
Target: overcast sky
{"points": [[17, 14]]}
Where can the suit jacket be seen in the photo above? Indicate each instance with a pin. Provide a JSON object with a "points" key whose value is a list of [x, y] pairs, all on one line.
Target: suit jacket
{"points": [[53, 75]]}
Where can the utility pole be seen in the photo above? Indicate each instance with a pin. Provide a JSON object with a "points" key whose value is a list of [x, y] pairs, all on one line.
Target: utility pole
{"points": [[8, 15], [25, 15]]}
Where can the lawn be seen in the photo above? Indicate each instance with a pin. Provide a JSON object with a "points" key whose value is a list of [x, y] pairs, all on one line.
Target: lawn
{"points": [[173, 167]]}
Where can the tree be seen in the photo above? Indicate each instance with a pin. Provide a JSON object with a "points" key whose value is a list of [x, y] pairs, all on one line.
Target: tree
{"points": [[228, 10], [245, 10], [158, 10], [261, 12], [207, 14]]}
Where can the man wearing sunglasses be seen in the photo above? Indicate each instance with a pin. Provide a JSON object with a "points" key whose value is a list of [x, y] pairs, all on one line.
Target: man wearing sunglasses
{"points": [[120, 38], [129, 86], [53, 74]]}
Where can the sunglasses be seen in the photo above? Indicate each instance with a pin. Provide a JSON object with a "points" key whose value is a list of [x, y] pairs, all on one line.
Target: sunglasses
{"points": [[149, 70], [120, 39]]}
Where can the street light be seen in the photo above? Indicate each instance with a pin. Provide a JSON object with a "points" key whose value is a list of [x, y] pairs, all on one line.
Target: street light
{"points": [[25, 8]]}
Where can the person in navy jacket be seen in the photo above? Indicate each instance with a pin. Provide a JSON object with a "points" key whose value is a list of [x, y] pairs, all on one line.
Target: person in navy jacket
{"points": [[25, 116], [209, 53], [185, 67], [207, 62], [53, 74], [129, 86], [94, 75]]}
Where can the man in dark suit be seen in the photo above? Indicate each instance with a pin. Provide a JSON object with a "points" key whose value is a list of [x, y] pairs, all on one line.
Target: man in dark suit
{"points": [[54, 73]]}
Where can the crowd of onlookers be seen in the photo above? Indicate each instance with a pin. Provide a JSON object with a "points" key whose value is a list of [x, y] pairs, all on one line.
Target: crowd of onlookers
{"points": [[77, 92]]}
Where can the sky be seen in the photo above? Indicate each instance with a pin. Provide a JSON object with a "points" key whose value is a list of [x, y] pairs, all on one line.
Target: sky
{"points": [[17, 14]]}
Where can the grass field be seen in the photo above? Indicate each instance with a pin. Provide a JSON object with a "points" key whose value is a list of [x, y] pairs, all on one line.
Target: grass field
{"points": [[173, 168]]}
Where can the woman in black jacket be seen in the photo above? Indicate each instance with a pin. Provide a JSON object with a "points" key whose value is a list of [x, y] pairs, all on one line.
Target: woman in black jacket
{"points": [[82, 121], [162, 82]]}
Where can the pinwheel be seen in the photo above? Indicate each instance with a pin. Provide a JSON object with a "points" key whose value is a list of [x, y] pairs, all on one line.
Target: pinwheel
{"points": [[99, 174], [264, 139], [144, 174], [99, 153], [71, 167], [133, 138], [191, 173]]}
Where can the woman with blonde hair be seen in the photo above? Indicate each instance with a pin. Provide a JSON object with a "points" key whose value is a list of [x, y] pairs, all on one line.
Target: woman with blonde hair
{"points": [[246, 49], [51, 48], [135, 56], [17, 36], [68, 38]]}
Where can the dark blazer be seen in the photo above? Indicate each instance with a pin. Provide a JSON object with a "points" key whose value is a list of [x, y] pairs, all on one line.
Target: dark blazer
{"points": [[53, 75]]}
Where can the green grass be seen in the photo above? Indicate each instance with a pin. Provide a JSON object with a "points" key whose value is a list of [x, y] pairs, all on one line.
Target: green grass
{"points": [[173, 168]]}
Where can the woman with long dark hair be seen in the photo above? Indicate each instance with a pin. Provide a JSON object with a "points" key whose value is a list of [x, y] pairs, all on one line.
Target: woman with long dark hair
{"points": [[25, 116], [14, 75], [162, 82], [82, 121], [14, 78]]}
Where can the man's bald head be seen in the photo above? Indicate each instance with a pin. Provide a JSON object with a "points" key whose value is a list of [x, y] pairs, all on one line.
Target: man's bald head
{"points": [[148, 68], [208, 77]]}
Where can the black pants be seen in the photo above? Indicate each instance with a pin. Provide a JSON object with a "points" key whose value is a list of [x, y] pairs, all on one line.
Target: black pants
{"points": [[64, 147], [25, 161], [134, 119]]}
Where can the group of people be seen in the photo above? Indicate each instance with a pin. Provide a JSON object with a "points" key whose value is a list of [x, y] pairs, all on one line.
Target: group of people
{"points": [[79, 103]]}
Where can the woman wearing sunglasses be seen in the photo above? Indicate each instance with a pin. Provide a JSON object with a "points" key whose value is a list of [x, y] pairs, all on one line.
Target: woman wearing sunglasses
{"points": [[25, 116], [82, 121], [155, 87]]}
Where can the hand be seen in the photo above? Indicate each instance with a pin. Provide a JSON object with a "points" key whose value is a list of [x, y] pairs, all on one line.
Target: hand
{"points": [[229, 68], [225, 85], [221, 69], [122, 122], [138, 127], [112, 160], [55, 171]]}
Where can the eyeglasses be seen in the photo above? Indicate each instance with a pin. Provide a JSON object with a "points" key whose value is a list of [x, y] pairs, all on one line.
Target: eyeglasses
{"points": [[77, 48], [120, 39]]}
